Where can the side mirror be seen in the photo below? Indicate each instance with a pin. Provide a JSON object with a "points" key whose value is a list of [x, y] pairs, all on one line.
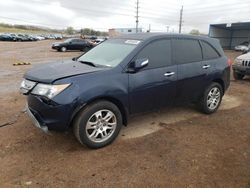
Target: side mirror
{"points": [[74, 58], [137, 65]]}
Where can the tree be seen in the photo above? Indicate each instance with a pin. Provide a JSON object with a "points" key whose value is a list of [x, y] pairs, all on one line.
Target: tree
{"points": [[194, 32], [70, 30]]}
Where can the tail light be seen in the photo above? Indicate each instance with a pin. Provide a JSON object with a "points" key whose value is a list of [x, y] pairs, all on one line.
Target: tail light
{"points": [[229, 62]]}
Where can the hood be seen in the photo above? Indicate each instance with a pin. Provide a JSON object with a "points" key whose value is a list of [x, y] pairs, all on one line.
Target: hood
{"points": [[50, 72], [244, 56], [240, 46]]}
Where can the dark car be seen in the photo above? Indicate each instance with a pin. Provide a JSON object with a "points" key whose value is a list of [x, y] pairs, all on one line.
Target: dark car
{"points": [[131, 74], [5, 37], [72, 44]]}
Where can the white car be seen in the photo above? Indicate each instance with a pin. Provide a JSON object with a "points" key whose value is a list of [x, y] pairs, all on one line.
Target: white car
{"points": [[241, 66], [242, 47], [40, 37]]}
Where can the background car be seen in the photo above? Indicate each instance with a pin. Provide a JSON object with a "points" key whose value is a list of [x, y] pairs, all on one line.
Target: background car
{"points": [[98, 41], [73, 44], [6, 37], [39, 37], [244, 46], [241, 66]]}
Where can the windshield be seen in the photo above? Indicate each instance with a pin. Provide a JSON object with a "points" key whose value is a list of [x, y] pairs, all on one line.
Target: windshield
{"points": [[68, 40], [110, 53]]}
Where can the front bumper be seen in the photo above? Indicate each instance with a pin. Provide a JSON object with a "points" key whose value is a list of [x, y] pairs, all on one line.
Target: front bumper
{"points": [[245, 70], [49, 116], [35, 121], [55, 47]]}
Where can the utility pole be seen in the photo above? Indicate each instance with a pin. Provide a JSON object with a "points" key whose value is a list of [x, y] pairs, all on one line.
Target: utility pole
{"points": [[137, 15], [181, 21], [167, 28], [149, 28]]}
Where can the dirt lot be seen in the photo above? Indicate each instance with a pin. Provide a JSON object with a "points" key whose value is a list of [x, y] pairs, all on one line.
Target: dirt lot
{"points": [[177, 147]]}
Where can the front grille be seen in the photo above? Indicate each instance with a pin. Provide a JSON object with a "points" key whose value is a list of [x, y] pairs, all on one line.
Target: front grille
{"points": [[246, 63]]}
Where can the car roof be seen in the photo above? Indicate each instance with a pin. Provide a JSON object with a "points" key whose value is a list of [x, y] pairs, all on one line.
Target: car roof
{"points": [[148, 36], [152, 36]]}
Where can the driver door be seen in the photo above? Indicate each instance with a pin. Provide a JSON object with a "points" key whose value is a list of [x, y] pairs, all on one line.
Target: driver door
{"points": [[155, 85]]}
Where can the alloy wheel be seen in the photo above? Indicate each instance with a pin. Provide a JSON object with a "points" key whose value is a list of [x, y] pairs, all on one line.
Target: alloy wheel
{"points": [[213, 98], [101, 126]]}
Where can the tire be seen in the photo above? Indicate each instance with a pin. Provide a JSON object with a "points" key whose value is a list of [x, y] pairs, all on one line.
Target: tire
{"points": [[63, 49], [238, 76], [209, 102], [90, 130]]}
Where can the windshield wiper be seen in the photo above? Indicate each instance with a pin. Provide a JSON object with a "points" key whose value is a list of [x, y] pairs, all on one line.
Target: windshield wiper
{"points": [[88, 63]]}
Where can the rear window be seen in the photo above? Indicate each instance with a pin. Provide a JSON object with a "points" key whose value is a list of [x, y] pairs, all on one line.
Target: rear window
{"points": [[186, 51], [208, 51]]}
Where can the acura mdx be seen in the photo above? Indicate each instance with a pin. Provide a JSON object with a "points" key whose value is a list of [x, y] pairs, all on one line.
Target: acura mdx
{"points": [[97, 92]]}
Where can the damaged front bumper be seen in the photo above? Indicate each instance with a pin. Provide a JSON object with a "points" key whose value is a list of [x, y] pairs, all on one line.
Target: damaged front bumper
{"points": [[35, 121]]}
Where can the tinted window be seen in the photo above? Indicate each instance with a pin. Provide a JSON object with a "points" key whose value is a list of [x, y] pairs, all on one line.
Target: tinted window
{"points": [[208, 51], [158, 53], [186, 51]]}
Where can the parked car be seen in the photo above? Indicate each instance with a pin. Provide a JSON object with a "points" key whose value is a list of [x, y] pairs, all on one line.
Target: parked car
{"points": [[241, 66], [22, 37], [242, 47], [38, 37], [58, 36], [72, 44], [246, 50], [98, 41], [6, 37], [131, 74]]}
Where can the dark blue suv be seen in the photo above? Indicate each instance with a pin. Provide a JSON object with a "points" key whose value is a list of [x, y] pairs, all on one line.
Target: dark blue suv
{"points": [[97, 92]]}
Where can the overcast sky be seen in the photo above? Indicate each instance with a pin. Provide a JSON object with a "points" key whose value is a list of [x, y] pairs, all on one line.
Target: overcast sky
{"points": [[105, 14]]}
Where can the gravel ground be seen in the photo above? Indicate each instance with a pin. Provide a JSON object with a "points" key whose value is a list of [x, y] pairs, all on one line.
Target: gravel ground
{"points": [[177, 147]]}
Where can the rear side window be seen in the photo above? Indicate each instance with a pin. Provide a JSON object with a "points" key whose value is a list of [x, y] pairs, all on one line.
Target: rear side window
{"points": [[186, 51], [208, 51], [158, 53]]}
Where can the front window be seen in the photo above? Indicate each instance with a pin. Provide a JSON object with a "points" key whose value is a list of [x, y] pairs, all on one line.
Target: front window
{"points": [[68, 40], [110, 53]]}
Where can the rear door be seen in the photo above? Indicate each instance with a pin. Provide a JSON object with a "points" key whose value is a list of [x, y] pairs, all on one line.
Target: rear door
{"points": [[188, 56], [154, 86], [73, 45], [81, 44], [210, 60]]}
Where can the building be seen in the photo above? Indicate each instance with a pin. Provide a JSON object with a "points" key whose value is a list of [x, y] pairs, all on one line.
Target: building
{"points": [[230, 34], [119, 31]]}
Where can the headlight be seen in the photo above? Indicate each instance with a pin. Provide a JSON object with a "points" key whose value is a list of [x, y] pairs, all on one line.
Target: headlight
{"points": [[49, 91], [26, 86], [237, 61]]}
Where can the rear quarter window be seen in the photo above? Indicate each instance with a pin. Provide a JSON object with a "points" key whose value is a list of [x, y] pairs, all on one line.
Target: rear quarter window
{"points": [[186, 51], [209, 52]]}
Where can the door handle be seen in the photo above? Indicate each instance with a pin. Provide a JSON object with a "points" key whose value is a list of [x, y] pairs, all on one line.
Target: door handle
{"points": [[206, 66], [169, 74]]}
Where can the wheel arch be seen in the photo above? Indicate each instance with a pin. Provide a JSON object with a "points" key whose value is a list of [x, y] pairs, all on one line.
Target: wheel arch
{"points": [[113, 100], [221, 82]]}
